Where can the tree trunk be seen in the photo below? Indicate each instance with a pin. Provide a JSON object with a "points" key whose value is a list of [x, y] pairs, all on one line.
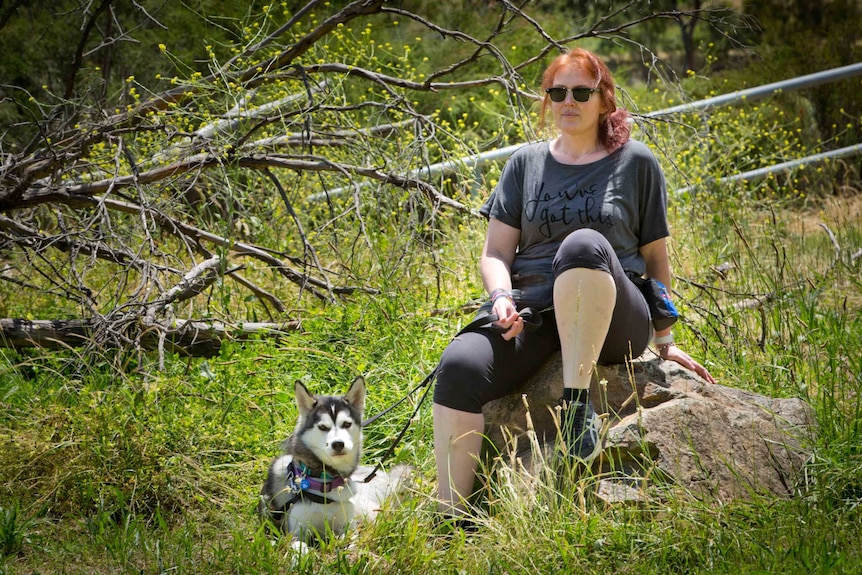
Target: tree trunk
{"points": [[195, 338]]}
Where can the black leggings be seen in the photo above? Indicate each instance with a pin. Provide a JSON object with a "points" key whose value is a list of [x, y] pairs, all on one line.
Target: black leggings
{"points": [[480, 366]]}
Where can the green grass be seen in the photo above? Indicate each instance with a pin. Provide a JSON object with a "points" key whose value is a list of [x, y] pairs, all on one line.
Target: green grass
{"points": [[158, 472], [110, 465]]}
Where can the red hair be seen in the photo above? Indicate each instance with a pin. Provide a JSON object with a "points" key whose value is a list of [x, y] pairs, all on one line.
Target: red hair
{"points": [[614, 128]]}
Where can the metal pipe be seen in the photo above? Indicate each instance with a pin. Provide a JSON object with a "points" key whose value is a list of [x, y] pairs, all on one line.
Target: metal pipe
{"points": [[785, 166], [765, 91]]}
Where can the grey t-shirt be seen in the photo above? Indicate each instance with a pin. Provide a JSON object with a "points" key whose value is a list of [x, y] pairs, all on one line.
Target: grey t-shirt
{"points": [[622, 196]]}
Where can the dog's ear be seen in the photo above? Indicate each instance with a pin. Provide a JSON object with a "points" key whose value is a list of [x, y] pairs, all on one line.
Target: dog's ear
{"points": [[305, 401], [355, 396]]}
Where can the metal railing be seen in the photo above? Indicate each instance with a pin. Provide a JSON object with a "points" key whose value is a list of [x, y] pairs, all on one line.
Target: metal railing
{"points": [[477, 162], [853, 150], [765, 91]]}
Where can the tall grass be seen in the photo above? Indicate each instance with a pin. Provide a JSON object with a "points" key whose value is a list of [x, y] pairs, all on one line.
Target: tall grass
{"points": [[159, 473], [108, 465]]}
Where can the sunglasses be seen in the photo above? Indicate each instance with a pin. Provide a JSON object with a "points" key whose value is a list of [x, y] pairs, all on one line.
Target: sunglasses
{"points": [[558, 94]]}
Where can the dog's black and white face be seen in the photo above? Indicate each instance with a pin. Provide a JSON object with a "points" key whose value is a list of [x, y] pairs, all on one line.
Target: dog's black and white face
{"points": [[330, 427]]}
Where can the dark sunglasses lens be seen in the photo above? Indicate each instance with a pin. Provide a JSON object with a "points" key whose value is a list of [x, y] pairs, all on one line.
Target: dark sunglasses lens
{"points": [[580, 94], [557, 94]]}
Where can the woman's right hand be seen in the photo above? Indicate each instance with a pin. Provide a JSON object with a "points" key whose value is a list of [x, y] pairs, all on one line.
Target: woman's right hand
{"points": [[508, 316]]}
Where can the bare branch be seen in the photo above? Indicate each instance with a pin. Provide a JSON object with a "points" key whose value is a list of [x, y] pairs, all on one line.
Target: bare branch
{"points": [[68, 194], [21, 234], [309, 249], [144, 191], [195, 281], [79, 51]]}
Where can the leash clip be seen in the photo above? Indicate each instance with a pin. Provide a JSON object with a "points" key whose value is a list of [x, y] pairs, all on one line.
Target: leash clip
{"points": [[297, 482]]}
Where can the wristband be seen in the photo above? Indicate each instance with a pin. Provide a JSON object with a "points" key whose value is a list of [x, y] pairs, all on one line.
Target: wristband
{"points": [[500, 292], [664, 347], [663, 339]]}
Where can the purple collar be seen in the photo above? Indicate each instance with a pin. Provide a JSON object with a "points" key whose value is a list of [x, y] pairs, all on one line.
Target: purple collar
{"points": [[323, 484]]}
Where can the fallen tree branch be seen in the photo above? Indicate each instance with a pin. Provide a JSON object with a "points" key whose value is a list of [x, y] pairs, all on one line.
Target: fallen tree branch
{"points": [[25, 234], [191, 233], [193, 283], [188, 337], [67, 193]]}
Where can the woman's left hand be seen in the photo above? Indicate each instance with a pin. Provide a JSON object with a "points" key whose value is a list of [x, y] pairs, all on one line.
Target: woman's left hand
{"points": [[674, 353]]}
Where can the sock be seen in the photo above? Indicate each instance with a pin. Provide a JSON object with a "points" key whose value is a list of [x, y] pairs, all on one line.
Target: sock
{"points": [[580, 395]]}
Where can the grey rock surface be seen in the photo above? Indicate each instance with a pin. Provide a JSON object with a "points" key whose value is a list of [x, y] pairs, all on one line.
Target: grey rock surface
{"points": [[663, 421]]}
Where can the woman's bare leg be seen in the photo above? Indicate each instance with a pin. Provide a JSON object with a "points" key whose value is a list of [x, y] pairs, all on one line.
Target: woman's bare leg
{"points": [[584, 301], [457, 444]]}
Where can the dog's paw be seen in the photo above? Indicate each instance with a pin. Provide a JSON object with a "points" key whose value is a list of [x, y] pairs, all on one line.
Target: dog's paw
{"points": [[299, 547], [297, 553], [370, 497], [400, 478]]}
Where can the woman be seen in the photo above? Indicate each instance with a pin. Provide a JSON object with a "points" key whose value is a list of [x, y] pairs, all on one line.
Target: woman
{"points": [[570, 220]]}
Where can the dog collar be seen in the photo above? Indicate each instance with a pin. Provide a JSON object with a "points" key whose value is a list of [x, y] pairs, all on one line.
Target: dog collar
{"points": [[325, 483]]}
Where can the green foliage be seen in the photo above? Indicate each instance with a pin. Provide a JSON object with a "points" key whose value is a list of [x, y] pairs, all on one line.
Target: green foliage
{"points": [[16, 530], [161, 470], [40, 50], [136, 469], [806, 37], [703, 147]]}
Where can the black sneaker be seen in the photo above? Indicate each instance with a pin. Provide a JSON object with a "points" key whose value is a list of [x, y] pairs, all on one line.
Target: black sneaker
{"points": [[448, 526], [580, 430]]}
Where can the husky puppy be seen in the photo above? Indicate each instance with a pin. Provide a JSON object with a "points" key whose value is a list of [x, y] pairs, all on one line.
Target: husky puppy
{"points": [[309, 491]]}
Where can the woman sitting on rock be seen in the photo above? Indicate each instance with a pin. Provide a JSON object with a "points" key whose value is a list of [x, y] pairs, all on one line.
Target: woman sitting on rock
{"points": [[570, 223]]}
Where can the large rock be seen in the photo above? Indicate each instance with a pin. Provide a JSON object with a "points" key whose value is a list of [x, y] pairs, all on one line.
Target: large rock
{"points": [[661, 420]]}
